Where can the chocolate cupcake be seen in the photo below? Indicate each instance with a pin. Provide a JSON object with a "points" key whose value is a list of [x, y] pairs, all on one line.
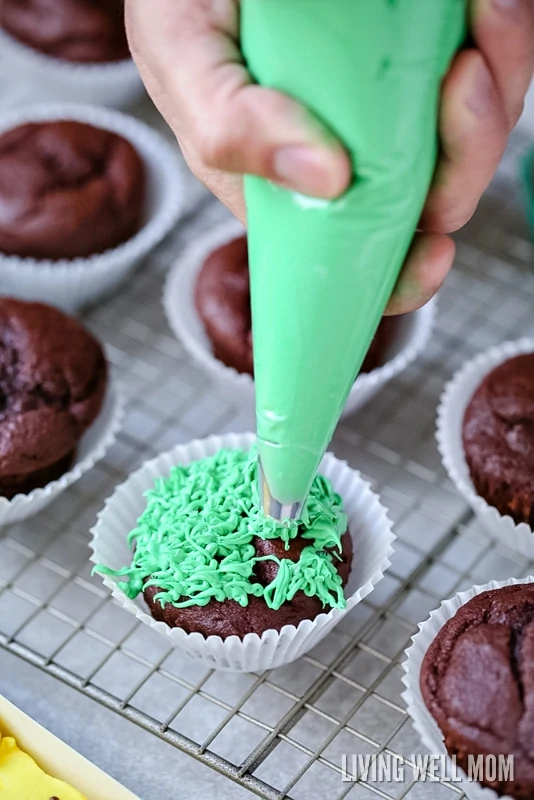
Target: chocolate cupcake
{"points": [[53, 377], [208, 561], [81, 31], [476, 682], [68, 190], [229, 618], [498, 438], [222, 299]]}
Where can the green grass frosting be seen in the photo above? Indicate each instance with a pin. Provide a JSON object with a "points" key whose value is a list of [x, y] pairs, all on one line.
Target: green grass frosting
{"points": [[195, 538]]}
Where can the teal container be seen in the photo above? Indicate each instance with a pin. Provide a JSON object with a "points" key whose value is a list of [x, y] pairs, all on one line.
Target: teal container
{"points": [[527, 175]]}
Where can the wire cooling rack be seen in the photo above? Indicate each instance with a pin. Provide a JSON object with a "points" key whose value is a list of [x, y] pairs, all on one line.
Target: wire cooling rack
{"points": [[281, 734]]}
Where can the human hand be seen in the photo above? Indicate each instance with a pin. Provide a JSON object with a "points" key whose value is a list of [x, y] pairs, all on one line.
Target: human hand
{"points": [[189, 57]]}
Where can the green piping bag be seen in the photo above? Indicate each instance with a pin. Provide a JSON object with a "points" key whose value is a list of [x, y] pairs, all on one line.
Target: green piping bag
{"points": [[323, 271]]}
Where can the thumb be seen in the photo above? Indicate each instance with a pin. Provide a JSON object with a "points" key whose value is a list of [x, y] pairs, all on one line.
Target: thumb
{"points": [[258, 131], [188, 54]]}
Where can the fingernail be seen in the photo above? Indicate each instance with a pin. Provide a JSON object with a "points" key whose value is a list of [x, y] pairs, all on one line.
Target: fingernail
{"points": [[304, 170], [510, 7], [482, 93]]}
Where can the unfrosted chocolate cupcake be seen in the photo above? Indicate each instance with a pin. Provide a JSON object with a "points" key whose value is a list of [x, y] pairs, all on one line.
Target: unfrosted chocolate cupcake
{"points": [[222, 298], [68, 190], [498, 438], [53, 377], [82, 31], [477, 680]]}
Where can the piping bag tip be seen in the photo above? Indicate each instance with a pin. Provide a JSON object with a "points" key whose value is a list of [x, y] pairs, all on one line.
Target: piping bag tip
{"points": [[273, 507]]}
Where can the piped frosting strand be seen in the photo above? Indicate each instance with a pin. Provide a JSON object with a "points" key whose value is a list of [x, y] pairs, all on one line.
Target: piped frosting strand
{"points": [[194, 541]]}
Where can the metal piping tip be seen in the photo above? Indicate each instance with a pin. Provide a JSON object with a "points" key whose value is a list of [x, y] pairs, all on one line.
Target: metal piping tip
{"points": [[273, 507]]}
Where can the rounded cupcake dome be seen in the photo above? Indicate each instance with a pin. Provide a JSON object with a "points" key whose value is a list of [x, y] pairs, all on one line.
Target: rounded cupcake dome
{"points": [[68, 190], [468, 687], [498, 438], [112, 188], [485, 437], [59, 411], [222, 299], [69, 50], [53, 383], [474, 681], [81, 31]]}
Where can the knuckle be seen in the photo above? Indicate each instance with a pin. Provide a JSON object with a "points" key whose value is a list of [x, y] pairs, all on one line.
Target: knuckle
{"points": [[217, 144], [274, 104], [215, 149]]}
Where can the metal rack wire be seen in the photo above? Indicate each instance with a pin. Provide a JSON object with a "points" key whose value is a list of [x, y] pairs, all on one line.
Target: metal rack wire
{"points": [[280, 734]]}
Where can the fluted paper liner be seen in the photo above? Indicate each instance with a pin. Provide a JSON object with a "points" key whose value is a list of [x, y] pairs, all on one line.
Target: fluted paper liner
{"points": [[367, 520], [115, 84], [91, 448], [454, 401], [70, 284], [238, 388], [423, 722]]}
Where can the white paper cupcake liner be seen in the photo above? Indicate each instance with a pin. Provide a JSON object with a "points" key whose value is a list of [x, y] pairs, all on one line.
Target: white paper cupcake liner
{"points": [[451, 411], [11, 93], [238, 388], [74, 283], [115, 84], [367, 520], [423, 722], [91, 448]]}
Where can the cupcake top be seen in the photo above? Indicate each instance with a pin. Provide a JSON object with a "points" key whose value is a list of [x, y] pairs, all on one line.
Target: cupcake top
{"points": [[222, 299], [53, 377], [498, 438], [477, 681], [203, 545], [67, 190], [83, 31]]}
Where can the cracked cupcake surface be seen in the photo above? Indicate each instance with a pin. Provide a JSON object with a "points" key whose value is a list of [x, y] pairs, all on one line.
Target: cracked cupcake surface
{"points": [[53, 377], [68, 190], [208, 560], [498, 438], [477, 680], [82, 31]]}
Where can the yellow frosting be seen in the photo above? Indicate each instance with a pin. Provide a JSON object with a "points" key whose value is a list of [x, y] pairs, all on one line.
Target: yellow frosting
{"points": [[22, 779]]}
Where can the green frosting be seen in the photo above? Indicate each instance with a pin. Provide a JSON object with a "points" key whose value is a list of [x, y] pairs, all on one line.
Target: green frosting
{"points": [[322, 272], [194, 539]]}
